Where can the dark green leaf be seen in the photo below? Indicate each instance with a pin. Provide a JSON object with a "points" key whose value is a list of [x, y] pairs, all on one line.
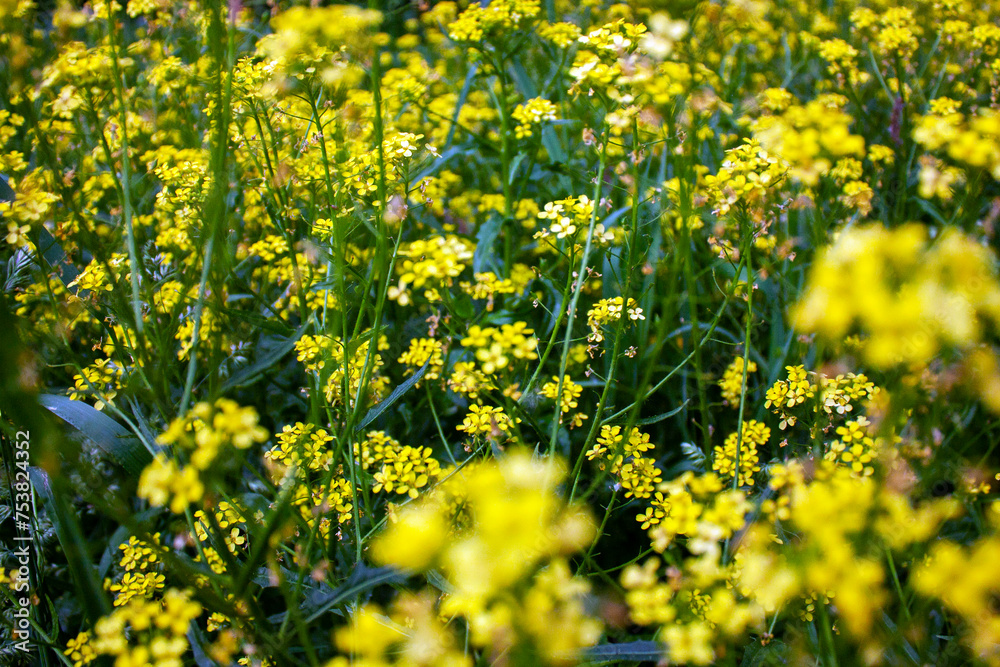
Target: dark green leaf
{"points": [[518, 159], [639, 651], [6, 192], [484, 259], [525, 82], [382, 406], [108, 435], [660, 417], [253, 372], [554, 147], [92, 597], [265, 323], [462, 96], [362, 580], [755, 655], [462, 306]]}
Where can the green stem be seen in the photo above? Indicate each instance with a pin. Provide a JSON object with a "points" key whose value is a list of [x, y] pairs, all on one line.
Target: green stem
{"points": [[623, 320], [580, 282], [126, 186], [655, 388], [692, 291], [196, 334], [898, 586], [560, 315], [604, 523], [827, 630], [747, 231]]}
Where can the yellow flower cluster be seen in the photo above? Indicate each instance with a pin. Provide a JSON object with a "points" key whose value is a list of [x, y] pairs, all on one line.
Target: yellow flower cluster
{"points": [[938, 179], [101, 380], [854, 448], [136, 585], [310, 40], [841, 59], [318, 501], [755, 434], [430, 263], [607, 311], [838, 395], [612, 446], [413, 633], [142, 577], [960, 576], [745, 175], [206, 428], [569, 218], [732, 380], [895, 32], [570, 392], [272, 176], [424, 351], [509, 565], [810, 137], [374, 448], [830, 512], [913, 298], [638, 475], [313, 351], [354, 369], [498, 348], [231, 521], [201, 434], [80, 651], [697, 603], [561, 34], [488, 286], [468, 380], [598, 64], [486, 420], [492, 20], [301, 445], [531, 113], [404, 470], [141, 632], [163, 482], [31, 204], [95, 276], [972, 141]]}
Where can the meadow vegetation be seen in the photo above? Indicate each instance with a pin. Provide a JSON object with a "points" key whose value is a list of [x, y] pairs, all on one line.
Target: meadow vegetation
{"points": [[527, 333]]}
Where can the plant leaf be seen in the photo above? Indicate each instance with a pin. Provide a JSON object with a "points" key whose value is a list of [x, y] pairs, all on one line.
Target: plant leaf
{"points": [[382, 406], [693, 455], [660, 417], [484, 258], [638, 651], [92, 598], [362, 580], [250, 374], [108, 435]]}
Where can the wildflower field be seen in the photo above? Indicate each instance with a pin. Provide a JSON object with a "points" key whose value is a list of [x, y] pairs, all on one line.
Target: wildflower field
{"points": [[534, 332]]}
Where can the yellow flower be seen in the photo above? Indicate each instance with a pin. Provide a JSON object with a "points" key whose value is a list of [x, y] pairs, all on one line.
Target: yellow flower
{"points": [[570, 392], [485, 420], [163, 482], [732, 380], [755, 434]]}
